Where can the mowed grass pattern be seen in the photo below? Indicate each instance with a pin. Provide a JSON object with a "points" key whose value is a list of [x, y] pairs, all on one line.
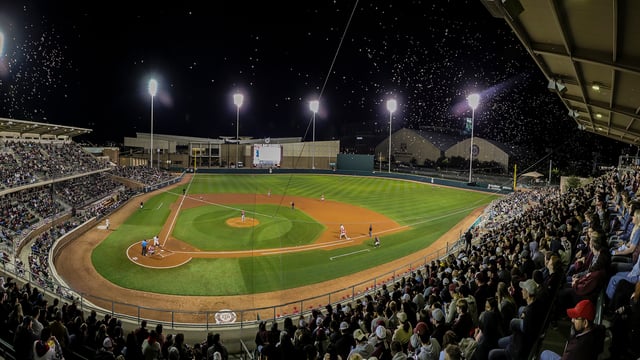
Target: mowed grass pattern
{"points": [[204, 227], [428, 210]]}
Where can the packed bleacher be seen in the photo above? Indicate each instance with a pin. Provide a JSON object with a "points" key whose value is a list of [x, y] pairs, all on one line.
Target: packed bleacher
{"points": [[144, 175], [42, 181], [72, 183], [537, 258], [27, 162]]}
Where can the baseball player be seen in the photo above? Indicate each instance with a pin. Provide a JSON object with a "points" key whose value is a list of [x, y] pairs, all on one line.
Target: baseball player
{"points": [[343, 232]]}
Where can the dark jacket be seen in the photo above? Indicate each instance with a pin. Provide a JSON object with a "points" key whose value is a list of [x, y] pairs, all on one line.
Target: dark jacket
{"points": [[463, 325], [585, 346], [522, 340]]}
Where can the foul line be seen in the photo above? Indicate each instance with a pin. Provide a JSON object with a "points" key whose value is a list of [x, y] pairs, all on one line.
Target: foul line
{"points": [[347, 254], [175, 216]]}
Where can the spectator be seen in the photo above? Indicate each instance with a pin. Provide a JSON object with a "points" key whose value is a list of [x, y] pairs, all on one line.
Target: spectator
{"points": [[463, 324], [396, 351], [59, 330], [507, 307], [363, 348], [525, 329], [215, 345], [625, 329], [106, 351], [452, 352], [23, 339], [429, 348], [586, 339], [488, 331], [151, 349], [403, 332]]}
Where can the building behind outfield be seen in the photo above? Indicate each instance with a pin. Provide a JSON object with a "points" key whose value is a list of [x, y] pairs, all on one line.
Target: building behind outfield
{"points": [[172, 151], [419, 147]]}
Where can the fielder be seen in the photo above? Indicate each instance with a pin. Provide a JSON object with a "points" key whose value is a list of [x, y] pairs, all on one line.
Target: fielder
{"points": [[343, 232], [242, 215]]}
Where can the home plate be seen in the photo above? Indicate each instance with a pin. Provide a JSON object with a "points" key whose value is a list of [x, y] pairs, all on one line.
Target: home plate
{"points": [[135, 258]]}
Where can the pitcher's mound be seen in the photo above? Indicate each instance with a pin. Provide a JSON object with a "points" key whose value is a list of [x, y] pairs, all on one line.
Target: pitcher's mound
{"points": [[237, 222]]}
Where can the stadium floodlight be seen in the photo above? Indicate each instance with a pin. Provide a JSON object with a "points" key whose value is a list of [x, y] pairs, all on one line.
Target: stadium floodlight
{"points": [[392, 106], [237, 101], [153, 90], [314, 105], [473, 100]]}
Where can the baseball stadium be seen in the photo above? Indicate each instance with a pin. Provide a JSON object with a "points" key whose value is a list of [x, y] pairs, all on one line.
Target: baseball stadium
{"points": [[182, 247], [285, 257]]}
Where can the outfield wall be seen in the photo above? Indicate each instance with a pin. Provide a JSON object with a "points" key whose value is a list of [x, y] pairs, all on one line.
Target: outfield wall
{"points": [[480, 186]]}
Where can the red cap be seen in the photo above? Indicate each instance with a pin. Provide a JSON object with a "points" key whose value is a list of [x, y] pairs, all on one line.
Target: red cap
{"points": [[584, 309]]}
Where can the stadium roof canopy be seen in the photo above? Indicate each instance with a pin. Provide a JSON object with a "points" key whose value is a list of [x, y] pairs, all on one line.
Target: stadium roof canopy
{"points": [[590, 53], [22, 127]]}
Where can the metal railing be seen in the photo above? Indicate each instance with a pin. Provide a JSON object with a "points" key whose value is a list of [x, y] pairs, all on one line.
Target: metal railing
{"points": [[221, 318]]}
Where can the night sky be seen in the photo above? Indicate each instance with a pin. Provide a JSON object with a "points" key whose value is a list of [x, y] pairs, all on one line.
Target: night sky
{"points": [[77, 64]]}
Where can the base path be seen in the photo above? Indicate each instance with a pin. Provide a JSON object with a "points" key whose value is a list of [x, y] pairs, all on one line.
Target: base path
{"points": [[329, 213], [75, 266]]}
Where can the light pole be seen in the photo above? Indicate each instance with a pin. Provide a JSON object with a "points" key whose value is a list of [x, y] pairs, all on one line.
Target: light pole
{"points": [[153, 90], [392, 105], [314, 105], [473, 100], [237, 100]]}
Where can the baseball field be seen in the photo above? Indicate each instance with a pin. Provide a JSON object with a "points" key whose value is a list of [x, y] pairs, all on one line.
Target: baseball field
{"points": [[288, 247]]}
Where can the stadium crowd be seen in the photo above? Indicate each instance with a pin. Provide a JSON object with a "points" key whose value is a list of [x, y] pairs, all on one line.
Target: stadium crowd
{"points": [[78, 181], [537, 257]]}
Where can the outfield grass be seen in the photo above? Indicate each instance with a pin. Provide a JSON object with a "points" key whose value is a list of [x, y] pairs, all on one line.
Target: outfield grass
{"points": [[429, 211]]}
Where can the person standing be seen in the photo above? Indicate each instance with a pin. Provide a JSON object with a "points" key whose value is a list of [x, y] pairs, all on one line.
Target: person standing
{"points": [[370, 230], [141, 204], [151, 348], [468, 237], [343, 232], [156, 241], [242, 215], [293, 205], [144, 247], [23, 339], [107, 223]]}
